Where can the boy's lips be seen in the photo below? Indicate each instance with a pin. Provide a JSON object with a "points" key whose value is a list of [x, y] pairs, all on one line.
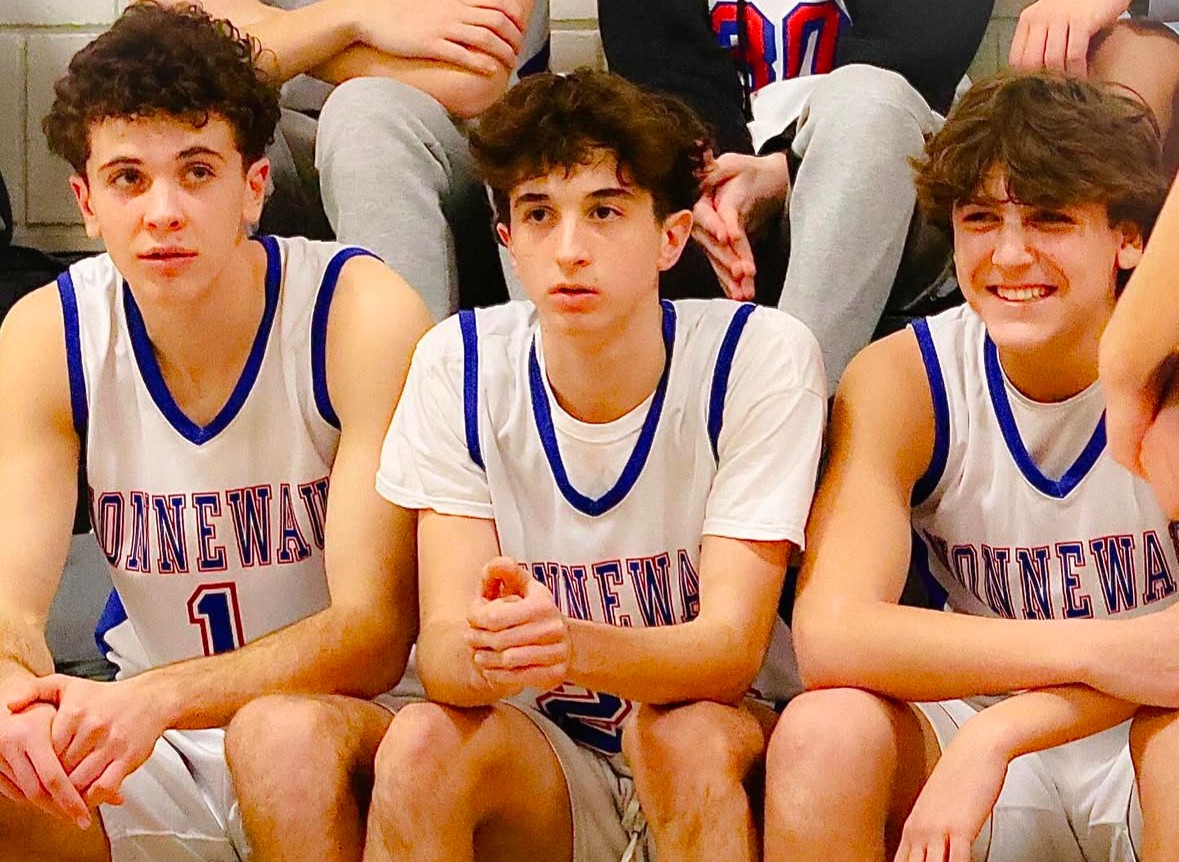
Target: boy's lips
{"points": [[167, 253], [1021, 292]]}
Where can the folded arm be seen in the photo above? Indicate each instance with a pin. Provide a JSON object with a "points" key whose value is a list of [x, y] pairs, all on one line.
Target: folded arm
{"points": [[461, 52], [849, 631]]}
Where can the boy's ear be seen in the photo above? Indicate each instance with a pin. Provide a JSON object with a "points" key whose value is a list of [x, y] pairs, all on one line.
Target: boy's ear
{"points": [[257, 179], [1132, 245], [504, 233], [81, 190], [677, 230]]}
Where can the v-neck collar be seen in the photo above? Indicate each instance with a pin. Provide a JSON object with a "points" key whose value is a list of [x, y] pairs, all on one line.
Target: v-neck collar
{"points": [[1056, 488], [153, 378], [542, 413]]}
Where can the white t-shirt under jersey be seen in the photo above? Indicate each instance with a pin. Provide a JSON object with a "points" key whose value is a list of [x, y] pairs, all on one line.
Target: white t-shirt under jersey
{"points": [[611, 516]]}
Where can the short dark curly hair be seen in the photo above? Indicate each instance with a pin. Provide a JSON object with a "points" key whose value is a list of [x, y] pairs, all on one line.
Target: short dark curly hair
{"points": [[176, 62], [548, 122], [1058, 140]]}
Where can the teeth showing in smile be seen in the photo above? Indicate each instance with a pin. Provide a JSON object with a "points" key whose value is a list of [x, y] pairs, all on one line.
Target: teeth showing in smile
{"points": [[1021, 294]]}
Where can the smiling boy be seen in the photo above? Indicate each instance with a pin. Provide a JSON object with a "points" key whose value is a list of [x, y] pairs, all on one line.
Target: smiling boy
{"points": [[216, 386], [976, 439], [609, 488]]}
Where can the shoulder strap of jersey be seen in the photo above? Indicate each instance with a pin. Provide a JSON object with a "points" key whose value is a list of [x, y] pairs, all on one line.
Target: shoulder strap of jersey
{"points": [[319, 322], [471, 384], [720, 375], [941, 414], [74, 365]]}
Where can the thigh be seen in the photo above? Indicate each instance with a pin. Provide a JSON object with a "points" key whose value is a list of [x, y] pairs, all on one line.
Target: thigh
{"points": [[603, 808], [1095, 776], [1030, 820], [179, 805]]}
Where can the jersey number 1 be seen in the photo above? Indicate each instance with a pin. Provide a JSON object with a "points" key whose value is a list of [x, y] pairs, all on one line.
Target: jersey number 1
{"points": [[214, 608]]}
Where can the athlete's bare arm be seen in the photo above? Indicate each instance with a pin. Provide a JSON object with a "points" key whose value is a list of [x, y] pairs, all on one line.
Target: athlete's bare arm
{"points": [[527, 643], [38, 490], [716, 656], [848, 629], [964, 786], [1137, 364], [461, 52], [452, 552], [360, 643]]}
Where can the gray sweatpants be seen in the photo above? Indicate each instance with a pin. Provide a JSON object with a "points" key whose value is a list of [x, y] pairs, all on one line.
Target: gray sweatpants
{"points": [[395, 176], [851, 205]]}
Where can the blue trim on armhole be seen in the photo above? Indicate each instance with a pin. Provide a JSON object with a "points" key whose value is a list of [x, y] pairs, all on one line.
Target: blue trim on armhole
{"points": [[1057, 489], [73, 341], [470, 335], [112, 615], [720, 375], [319, 322], [938, 595], [941, 415], [153, 378], [543, 416]]}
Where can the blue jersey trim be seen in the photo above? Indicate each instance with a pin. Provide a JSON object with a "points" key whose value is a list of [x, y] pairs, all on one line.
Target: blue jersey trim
{"points": [[1057, 489], [638, 457], [925, 485], [938, 595], [720, 376], [113, 614], [74, 367], [470, 335], [319, 322], [149, 368]]}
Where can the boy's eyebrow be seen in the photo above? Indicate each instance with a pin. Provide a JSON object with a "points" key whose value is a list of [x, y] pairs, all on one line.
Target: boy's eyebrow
{"points": [[612, 193], [120, 160], [183, 154], [200, 151], [597, 194]]}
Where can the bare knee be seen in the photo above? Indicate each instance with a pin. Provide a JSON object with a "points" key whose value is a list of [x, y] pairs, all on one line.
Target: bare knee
{"points": [[428, 745], [699, 742], [835, 733], [263, 736]]}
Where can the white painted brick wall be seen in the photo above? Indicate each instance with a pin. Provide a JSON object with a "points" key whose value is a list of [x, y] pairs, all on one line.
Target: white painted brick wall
{"points": [[37, 38]]}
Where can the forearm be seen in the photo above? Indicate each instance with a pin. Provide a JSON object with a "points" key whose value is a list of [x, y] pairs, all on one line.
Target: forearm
{"points": [[446, 667], [326, 40], [1044, 718], [23, 653], [914, 654], [665, 664], [1145, 324], [332, 652], [461, 92]]}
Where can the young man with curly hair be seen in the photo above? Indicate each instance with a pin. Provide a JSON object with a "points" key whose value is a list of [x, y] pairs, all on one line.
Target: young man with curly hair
{"points": [[216, 386]]}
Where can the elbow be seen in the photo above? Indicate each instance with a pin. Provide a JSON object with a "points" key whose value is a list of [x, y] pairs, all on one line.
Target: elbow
{"points": [[819, 649], [468, 95]]}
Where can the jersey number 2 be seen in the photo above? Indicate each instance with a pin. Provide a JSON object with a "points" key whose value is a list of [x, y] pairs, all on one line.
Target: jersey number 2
{"points": [[214, 608]]}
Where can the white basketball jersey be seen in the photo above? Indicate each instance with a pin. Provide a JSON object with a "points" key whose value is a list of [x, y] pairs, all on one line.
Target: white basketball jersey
{"points": [[610, 517], [214, 533], [779, 40], [1023, 514]]}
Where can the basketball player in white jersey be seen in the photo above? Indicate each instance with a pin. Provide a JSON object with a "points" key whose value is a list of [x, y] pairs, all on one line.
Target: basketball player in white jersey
{"points": [[609, 488], [216, 386], [977, 439]]}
